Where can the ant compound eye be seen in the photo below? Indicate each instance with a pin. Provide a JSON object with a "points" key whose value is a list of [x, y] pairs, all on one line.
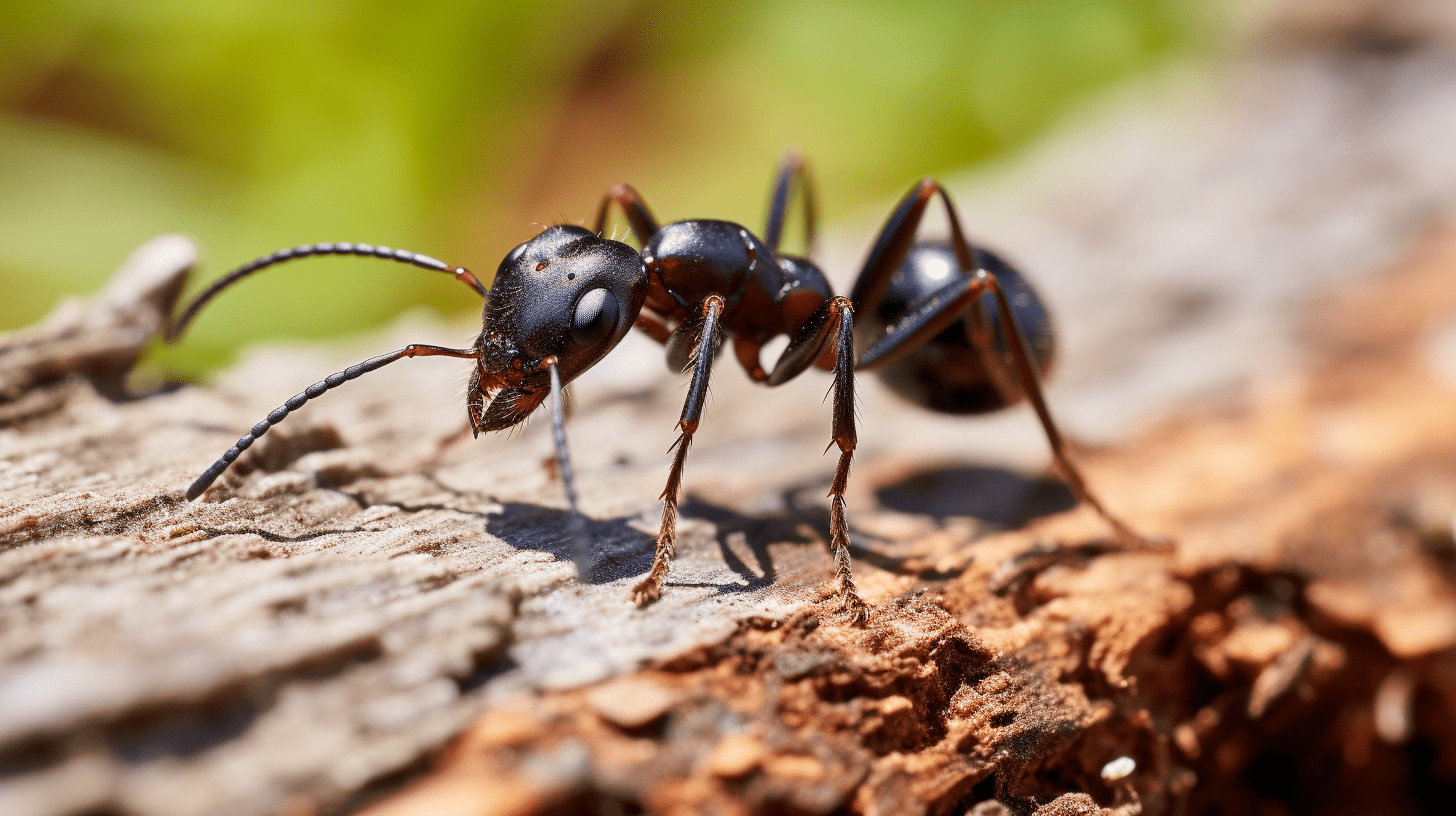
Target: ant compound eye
{"points": [[594, 318], [515, 254]]}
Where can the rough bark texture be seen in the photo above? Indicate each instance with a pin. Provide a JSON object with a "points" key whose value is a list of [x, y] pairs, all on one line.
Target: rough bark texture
{"points": [[372, 610], [1299, 650]]}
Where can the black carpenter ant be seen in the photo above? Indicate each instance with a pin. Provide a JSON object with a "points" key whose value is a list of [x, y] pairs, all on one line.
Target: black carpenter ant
{"points": [[945, 323]]}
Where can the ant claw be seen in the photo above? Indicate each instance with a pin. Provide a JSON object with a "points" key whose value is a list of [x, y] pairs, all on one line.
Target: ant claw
{"points": [[851, 604], [1129, 541], [645, 592]]}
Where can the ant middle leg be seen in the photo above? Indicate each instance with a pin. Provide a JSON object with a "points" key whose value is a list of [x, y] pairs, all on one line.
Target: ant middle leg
{"points": [[832, 322], [708, 337]]}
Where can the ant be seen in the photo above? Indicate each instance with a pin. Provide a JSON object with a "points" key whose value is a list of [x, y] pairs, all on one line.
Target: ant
{"points": [[949, 326]]}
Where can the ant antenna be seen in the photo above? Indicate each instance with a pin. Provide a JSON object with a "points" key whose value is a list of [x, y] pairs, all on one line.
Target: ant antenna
{"points": [[317, 389], [175, 329]]}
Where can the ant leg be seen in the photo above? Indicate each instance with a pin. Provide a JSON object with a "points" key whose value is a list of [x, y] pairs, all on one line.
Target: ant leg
{"points": [[925, 319], [638, 216], [179, 325], [947, 305], [644, 225], [654, 328], [705, 348], [846, 437], [959, 300], [932, 314], [297, 400], [791, 169], [832, 321], [1031, 387], [895, 239], [747, 349], [558, 435], [581, 536]]}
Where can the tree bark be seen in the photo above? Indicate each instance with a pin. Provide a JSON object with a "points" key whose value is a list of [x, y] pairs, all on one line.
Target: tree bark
{"points": [[370, 609]]}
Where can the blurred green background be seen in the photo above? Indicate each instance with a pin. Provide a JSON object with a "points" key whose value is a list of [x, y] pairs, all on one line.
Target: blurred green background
{"points": [[457, 128]]}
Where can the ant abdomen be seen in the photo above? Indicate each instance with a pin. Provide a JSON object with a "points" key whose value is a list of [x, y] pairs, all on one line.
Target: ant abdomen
{"points": [[946, 373]]}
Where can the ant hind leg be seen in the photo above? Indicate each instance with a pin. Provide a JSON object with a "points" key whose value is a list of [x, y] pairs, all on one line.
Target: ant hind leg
{"points": [[1025, 374], [1013, 374], [791, 169]]}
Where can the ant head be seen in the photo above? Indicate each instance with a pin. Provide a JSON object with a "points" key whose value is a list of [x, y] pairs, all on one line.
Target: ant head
{"points": [[567, 293]]}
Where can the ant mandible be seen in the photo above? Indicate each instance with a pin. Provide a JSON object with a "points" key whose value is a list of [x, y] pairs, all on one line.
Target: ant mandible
{"points": [[944, 322]]}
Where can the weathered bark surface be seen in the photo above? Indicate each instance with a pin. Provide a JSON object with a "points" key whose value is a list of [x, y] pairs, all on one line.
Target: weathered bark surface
{"points": [[1300, 646], [368, 582]]}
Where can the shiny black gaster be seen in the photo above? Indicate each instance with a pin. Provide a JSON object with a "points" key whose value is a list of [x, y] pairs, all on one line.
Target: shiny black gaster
{"points": [[946, 373]]}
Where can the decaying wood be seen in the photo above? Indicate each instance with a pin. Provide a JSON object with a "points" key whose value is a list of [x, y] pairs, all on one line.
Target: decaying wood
{"points": [[370, 611]]}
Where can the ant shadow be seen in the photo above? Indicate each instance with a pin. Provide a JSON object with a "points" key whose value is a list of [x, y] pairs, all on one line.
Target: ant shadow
{"points": [[998, 497], [619, 550], [756, 533]]}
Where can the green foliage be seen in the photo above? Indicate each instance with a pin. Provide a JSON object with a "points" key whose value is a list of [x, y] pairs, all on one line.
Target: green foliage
{"points": [[452, 127]]}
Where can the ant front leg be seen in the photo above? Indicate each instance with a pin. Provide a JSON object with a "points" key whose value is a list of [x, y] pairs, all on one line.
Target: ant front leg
{"points": [[580, 534], [709, 336], [1013, 374], [832, 322]]}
